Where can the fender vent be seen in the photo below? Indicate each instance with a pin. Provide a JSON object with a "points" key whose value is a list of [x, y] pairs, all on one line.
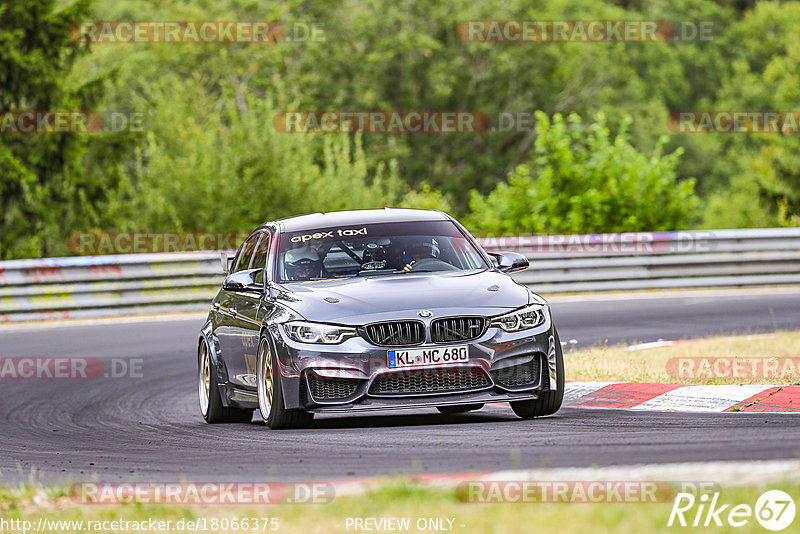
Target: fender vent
{"points": [[519, 375], [331, 388]]}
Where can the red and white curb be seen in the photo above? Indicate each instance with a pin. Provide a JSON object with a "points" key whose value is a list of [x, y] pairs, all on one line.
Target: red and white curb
{"points": [[675, 397]]}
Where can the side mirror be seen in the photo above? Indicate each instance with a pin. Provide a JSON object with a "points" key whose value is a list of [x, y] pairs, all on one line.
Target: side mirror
{"points": [[243, 281], [225, 261], [510, 262]]}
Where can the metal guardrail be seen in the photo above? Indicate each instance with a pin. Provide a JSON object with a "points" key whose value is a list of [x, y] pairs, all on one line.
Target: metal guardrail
{"points": [[94, 286], [655, 260], [97, 286]]}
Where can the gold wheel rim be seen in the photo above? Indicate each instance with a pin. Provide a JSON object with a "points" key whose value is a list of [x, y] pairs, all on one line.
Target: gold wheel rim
{"points": [[265, 383], [204, 379]]}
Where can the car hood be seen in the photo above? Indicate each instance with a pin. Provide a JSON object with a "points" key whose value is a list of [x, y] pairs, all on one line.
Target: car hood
{"points": [[362, 300]]}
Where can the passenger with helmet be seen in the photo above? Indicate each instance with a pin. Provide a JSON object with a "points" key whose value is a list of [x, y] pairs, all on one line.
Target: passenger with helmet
{"points": [[302, 264], [374, 257], [419, 249]]}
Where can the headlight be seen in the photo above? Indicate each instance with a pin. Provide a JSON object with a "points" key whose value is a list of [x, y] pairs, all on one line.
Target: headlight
{"points": [[317, 332], [521, 319]]}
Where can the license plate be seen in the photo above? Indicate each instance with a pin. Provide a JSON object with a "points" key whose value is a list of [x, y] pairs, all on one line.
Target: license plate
{"points": [[432, 356]]}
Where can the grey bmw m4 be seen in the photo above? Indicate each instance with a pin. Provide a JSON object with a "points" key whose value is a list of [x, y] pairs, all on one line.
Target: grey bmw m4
{"points": [[371, 310]]}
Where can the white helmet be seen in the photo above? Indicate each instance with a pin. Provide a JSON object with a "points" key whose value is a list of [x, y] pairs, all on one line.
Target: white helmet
{"points": [[303, 253], [303, 263]]}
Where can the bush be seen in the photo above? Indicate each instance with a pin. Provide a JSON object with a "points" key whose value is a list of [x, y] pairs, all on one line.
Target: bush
{"points": [[211, 163], [581, 179]]}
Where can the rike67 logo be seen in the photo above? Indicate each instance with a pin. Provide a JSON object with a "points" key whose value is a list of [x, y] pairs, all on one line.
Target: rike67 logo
{"points": [[774, 510]]}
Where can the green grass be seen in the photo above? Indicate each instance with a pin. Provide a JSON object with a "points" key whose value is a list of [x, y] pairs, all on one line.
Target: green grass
{"points": [[651, 365], [403, 499]]}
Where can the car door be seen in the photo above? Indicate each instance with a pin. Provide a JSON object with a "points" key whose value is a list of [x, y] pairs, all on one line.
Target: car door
{"points": [[252, 306], [234, 332]]}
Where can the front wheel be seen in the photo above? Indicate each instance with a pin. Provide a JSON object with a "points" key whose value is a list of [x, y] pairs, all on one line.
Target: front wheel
{"points": [[270, 393], [211, 406], [548, 402]]}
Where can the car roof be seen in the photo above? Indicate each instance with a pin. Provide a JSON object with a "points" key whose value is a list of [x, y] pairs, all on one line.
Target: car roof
{"points": [[345, 218]]}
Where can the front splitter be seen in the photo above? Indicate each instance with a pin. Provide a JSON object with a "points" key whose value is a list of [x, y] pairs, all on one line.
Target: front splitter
{"points": [[424, 401]]}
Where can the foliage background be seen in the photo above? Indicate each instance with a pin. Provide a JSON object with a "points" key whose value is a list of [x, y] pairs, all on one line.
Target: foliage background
{"points": [[600, 158]]}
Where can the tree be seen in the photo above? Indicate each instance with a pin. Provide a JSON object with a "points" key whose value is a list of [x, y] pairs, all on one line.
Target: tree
{"points": [[209, 163], [759, 173], [43, 187], [580, 178], [407, 55]]}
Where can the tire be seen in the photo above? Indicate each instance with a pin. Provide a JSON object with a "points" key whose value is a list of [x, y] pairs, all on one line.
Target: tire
{"points": [[548, 402], [211, 407], [270, 393], [459, 409]]}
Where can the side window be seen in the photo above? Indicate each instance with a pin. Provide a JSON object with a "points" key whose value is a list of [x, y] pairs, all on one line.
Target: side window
{"points": [[247, 253], [260, 257]]}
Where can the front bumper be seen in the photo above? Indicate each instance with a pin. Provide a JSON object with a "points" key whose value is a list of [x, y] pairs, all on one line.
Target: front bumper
{"points": [[355, 376], [372, 403]]}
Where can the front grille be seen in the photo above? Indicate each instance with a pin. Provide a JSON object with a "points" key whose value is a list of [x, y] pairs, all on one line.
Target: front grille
{"points": [[331, 388], [396, 333], [452, 329], [421, 381], [518, 375]]}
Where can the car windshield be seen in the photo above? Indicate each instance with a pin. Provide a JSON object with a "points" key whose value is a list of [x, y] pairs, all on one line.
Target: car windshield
{"points": [[382, 249]]}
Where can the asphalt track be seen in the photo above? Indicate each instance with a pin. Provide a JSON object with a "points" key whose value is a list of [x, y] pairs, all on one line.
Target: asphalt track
{"points": [[149, 428]]}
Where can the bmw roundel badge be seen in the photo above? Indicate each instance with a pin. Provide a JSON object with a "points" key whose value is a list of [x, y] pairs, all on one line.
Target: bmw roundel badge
{"points": [[425, 313]]}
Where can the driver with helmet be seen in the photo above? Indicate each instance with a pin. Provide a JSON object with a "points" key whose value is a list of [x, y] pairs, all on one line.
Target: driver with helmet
{"points": [[420, 249], [303, 264]]}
